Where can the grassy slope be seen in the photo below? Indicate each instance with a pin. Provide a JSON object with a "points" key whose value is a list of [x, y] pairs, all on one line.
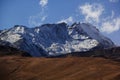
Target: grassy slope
{"points": [[69, 68]]}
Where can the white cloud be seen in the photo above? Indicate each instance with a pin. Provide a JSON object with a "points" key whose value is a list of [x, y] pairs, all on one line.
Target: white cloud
{"points": [[43, 18], [113, 0], [43, 3], [92, 12], [111, 25], [113, 13], [107, 18], [37, 19], [68, 20]]}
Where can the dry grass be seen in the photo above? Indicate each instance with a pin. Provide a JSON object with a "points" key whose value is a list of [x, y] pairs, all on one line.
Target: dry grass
{"points": [[70, 68]]}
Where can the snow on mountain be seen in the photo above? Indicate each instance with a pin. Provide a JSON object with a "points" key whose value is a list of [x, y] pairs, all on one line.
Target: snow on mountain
{"points": [[55, 39]]}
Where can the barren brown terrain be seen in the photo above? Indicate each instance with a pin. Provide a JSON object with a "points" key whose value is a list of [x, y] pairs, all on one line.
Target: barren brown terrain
{"points": [[69, 68]]}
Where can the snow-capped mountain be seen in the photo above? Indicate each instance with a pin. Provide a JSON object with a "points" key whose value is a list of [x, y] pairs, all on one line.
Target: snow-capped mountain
{"points": [[55, 39]]}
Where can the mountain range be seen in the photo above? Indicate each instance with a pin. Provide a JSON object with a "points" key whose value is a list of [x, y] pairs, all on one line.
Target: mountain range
{"points": [[55, 39]]}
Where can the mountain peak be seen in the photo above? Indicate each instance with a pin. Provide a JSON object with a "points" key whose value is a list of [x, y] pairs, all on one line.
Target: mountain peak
{"points": [[61, 24], [20, 26], [18, 29]]}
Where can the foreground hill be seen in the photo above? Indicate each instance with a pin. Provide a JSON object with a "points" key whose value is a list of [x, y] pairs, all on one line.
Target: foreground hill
{"points": [[69, 68]]}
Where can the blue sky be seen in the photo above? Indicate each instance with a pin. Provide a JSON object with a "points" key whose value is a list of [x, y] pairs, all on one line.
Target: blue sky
{"points": [[104, 14]]}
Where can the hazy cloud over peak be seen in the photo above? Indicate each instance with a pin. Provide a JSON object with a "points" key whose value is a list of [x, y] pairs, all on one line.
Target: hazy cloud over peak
{"points": [[68, 20], [111, 25], [92, 12]]}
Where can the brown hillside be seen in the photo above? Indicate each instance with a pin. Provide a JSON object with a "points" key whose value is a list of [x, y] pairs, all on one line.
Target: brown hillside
{"points": [[69, 68]]}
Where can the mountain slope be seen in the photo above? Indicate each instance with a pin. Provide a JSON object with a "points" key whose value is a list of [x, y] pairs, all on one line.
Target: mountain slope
{"points": [[110, 53], [55, 39], [10, 51], [70, 68]]}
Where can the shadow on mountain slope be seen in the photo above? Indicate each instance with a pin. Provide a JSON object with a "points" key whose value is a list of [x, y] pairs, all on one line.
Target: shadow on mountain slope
{"points": [[7, 51]]}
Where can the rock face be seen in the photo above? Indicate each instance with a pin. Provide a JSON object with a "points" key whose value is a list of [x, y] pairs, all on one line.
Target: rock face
{"points": [[55, 39]]}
